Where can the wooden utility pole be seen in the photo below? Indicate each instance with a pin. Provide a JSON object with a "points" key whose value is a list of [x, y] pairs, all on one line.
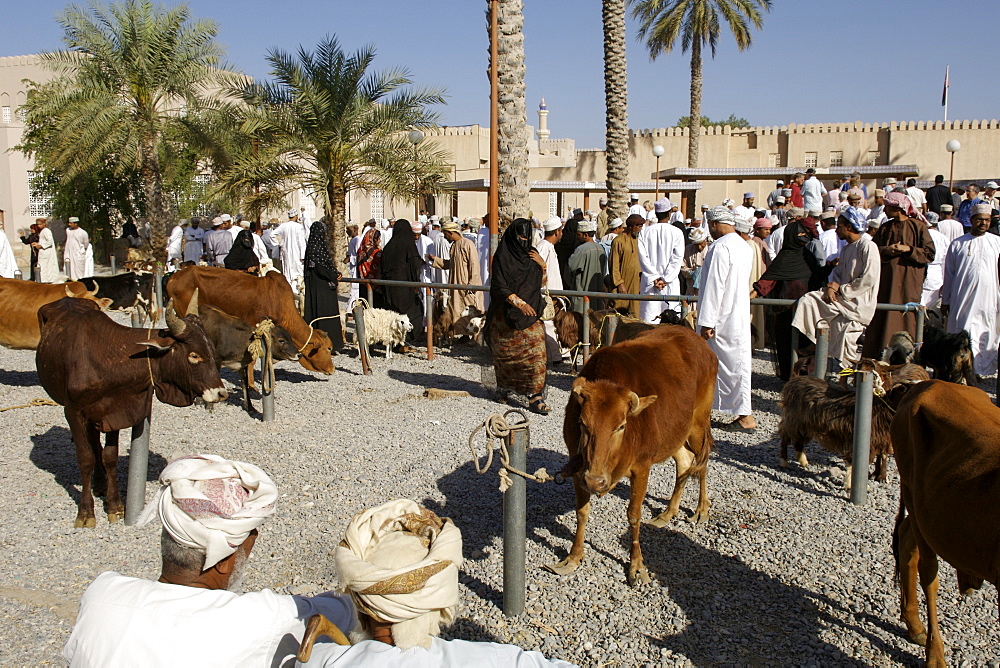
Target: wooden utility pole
{"points": [[493, 208]]}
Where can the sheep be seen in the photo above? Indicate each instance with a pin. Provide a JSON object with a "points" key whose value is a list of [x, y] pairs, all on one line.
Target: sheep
{"points": [[813, 409], [386, 327]]}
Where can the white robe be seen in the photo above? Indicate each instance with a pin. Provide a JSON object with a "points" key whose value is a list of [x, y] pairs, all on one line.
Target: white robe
{"points": [[745, 212], [951, 228], [352, 267], [832, 244], [972, 293], [637, 209], [483, 248], [291, 238], [425, 246], [724, 305], [775, 241], [8, 265], [661, 253], [442, 249], [441, 654], [175, 243], [48, 263], [88, 264], [934, 278], [194, 246], [75, 253], [553, 282]]}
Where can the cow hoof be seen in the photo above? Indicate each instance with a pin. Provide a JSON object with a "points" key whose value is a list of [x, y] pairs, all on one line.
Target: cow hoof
{"points": [[114, 518], [919, 639], [802, 460], [661, 520], [783, 462], [699, 517], [638, 576], [85, 523], [564, 567]]}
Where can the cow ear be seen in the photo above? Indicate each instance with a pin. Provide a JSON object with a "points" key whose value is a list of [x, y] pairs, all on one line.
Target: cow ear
{"points": [[158, 344], [638, 404], [580, 389], [104, 302]]}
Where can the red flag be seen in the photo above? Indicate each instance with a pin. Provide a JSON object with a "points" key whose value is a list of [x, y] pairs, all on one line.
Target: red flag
{"points": [[944, 92]]}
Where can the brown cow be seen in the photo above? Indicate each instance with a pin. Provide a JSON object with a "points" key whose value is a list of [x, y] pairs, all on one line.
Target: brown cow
{"points": [[635, 404], [253, 298], [19, 304], [947, 442], [105, 375]]}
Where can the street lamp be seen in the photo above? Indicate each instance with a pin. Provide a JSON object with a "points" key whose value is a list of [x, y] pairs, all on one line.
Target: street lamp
{"points": [[953, 147], [415, 137], [657, 151]]}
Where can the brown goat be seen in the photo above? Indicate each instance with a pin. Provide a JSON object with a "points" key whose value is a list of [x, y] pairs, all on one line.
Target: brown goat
{"points": [[812, 409]]}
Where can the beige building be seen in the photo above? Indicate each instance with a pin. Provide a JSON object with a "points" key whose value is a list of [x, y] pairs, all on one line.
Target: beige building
{"points": [[564, 177]]}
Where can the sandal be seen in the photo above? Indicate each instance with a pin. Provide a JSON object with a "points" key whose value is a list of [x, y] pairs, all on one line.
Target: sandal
{"points": [[537, 405]]}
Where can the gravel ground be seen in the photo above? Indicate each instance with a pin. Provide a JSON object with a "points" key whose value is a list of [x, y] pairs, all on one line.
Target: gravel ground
{"points": [[786, 572]]}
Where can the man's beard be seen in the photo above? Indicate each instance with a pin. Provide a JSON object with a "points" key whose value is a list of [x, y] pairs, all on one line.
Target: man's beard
{"points": [[235, 583]]}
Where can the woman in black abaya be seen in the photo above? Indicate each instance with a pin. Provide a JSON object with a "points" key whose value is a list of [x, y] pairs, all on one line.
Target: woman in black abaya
{"points": [[321, 278], [401, 261]]}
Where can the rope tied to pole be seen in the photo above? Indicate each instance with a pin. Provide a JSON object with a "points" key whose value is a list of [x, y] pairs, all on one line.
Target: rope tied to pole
{"points": [[498, 429], [311, 329], [260, 347], [31, 404]]}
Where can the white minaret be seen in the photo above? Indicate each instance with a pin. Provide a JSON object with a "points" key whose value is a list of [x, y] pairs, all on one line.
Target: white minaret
{"points": [[543, 121]]}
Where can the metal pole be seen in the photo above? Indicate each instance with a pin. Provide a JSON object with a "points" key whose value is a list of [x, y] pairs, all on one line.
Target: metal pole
{"points": [[267, 382], [822, 350], [158, 291], [951, 173], [608, 331], [135, 316], [514, 520], [429, 317], [138, 469], [685, 309], [359, 334], [114, 266], [795, 347], [371, 296], [585, 334], [656, 188], [921, 316], [18, 275], [865, 385]]}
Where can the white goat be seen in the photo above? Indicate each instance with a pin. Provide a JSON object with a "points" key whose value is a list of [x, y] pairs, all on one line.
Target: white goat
{"points": [[385, 326]]}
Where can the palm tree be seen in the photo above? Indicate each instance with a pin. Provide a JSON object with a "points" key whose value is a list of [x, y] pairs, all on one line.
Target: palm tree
{"points": [[697, 23], [512, 114], [616, 106], [328, 125], [131, 73]]}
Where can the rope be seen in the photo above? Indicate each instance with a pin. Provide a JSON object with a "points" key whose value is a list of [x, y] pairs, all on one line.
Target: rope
{"points": [[260, 347], [878, 387], [497, 428], [31, 404], [311, 330]]}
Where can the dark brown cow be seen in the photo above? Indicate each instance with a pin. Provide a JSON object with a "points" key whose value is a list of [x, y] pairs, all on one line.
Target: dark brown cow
{"points": [[19, 304], [947, 442], [635, 404], [105, 375], [253, 298]]}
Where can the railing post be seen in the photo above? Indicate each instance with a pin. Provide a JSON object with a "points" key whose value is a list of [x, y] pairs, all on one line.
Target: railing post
{"points": [[585, 334], [685, 309], [822, 350], [18, 275], [359, 334], [138, 469], [608, 330], [921, 317], [267, 382], [134, 316], [864, 388], [429, 317], [371, 295], [114, 266], [514, 520], [158, 291]]}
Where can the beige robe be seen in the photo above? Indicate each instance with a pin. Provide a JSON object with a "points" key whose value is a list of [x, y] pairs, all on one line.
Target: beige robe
{"points": [[464, 267]]}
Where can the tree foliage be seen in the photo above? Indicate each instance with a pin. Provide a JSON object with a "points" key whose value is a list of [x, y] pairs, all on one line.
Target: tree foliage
{"points": [[706, 122]]}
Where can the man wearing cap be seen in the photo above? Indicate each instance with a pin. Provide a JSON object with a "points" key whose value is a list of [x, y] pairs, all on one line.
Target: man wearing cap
{"points": [[615, 227], [916, 196], [948, 226], [211, 509], [588, 265], [831, 241], [938, 194], [424, 247], [552, 229], [972, 198], [847, 303], [694, 258], [442, 250], [568, 244], [813, 192], [931, 294], [724, 316], [75, 250], [194, 236], [773, 196], [462, 264], [989, 195], [877, 212], [229, 225], [780, 210], [290, 238], [48, 264], [746, 210], [623, 265], [217, 238], [602, 217], [970, 298], [661, 252], [905, 248], [635, 207], [745, 230], [795, 197]]}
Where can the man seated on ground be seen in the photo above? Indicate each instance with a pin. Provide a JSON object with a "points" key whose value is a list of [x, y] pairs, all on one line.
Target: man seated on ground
{"points": [[400, 564], [193, 615]]}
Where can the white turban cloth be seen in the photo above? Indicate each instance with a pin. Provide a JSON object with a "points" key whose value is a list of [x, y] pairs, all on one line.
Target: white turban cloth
{"points": [[212, 504], [722, 214], [400, 564]]}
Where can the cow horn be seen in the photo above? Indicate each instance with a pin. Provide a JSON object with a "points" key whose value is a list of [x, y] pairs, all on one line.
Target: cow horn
{"points": [[192, 308], [176, 325]]}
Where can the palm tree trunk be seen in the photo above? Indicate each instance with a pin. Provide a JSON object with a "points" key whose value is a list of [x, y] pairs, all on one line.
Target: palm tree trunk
{"points": [[616, 106], [694, 129], [337, 198], [513, 119], [156, 204]]}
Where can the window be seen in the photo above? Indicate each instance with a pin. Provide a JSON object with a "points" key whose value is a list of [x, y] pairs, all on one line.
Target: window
{"points": [[22, 114], [39, 202], [6, 114], [811, 159], [836, 158], [198, 193], [378, 204], [872, 158], [553, 205], [774, 160]]}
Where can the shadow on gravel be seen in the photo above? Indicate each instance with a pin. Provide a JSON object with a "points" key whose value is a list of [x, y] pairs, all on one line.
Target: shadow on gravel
{"points": [[737, 615], [53, 451], [20, 379], [424, 380], [288, 376], [748, 459]]}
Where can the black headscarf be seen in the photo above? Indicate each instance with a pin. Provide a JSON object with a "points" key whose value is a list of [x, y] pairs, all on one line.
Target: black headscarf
{"points": [[318, 258], [793, 262], [514, 272], [241, 255], [401, 262]]}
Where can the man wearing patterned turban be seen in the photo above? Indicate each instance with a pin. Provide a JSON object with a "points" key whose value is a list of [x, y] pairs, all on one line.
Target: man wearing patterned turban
{"points": [[211, 509]]}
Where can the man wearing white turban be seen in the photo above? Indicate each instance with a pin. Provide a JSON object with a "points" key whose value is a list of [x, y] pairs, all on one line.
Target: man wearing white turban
{"points": [[400, 563], [661, 253], [211, 509]]}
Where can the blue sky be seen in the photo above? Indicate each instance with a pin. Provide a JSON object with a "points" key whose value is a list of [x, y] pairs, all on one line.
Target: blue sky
{"points": [[814, 61]]}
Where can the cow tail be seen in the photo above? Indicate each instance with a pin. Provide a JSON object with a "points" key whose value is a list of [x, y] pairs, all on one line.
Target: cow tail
{"points": [[900, 516]]}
